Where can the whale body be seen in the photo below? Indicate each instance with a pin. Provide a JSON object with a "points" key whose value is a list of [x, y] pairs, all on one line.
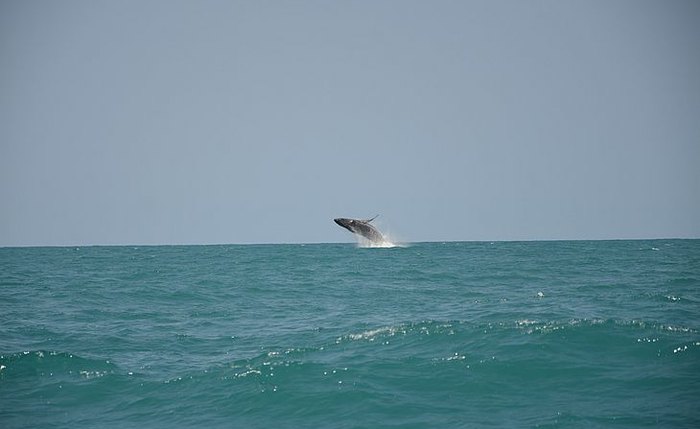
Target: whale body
{"points": [[362, 228]]}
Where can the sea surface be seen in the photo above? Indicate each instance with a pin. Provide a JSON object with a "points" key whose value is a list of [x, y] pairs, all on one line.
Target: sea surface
{"points": [[566, 334]]}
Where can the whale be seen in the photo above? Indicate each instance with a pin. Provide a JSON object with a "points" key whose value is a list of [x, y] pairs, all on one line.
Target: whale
{"points": [[362, 228]]}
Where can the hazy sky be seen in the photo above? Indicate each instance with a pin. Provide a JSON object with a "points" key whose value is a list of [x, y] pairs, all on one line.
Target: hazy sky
{"points": [[136, 122]]}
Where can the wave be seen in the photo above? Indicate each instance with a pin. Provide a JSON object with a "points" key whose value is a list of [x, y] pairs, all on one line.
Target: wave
{"points": [[420, 338], [42, 362], [432, 366]]}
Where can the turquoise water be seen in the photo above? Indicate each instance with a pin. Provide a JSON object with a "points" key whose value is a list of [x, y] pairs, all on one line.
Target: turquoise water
{"points": [[432, 335]]}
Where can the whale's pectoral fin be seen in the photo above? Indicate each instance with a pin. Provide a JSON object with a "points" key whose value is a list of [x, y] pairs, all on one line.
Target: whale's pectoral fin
{"points": [[370, 220]]}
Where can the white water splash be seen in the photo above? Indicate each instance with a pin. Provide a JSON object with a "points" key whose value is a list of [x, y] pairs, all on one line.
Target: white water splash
{"points": [[387, 243], [364, 243]]}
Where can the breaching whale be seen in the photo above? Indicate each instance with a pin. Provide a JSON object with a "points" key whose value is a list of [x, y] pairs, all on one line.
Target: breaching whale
{"points": [[362, 228]]}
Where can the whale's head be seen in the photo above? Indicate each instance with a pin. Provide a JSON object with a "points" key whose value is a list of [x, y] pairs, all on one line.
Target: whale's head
{"points": [[349, 224]]}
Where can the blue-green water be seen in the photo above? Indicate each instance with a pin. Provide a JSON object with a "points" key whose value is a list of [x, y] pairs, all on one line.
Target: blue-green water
{"points": [[433, 335]]}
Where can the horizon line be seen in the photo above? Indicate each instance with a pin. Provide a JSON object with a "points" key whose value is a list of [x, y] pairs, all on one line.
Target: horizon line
{"points": [[28, 246]]}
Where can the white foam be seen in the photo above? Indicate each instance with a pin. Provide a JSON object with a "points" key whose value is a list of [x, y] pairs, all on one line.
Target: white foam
{"points": [[369, 335], [387, 243], [372, 244]]}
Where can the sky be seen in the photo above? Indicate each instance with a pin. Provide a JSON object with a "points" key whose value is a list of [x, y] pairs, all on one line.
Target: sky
{"points": [[196, 122]]}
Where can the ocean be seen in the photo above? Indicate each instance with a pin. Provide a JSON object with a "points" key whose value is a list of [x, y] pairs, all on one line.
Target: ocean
{"points": [[561, 334]]}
